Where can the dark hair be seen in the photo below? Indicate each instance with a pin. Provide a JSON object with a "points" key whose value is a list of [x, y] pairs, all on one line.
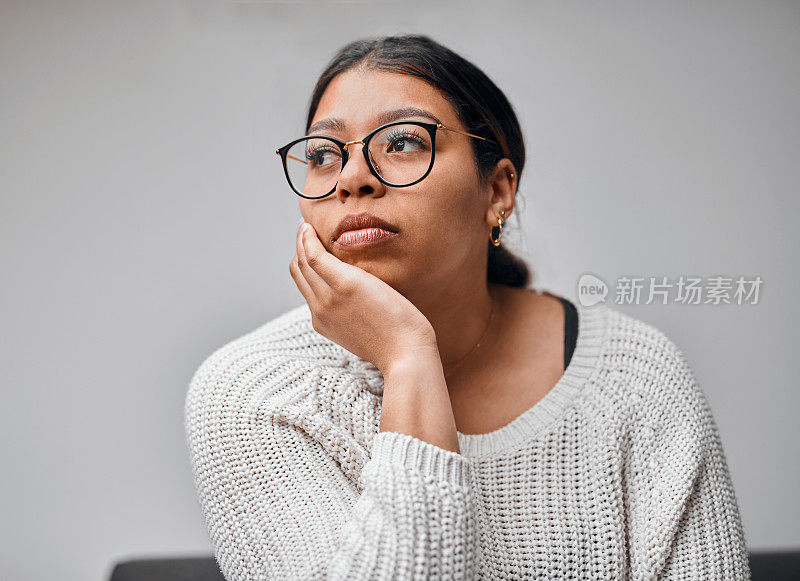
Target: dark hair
{"points": [[481, 106]]}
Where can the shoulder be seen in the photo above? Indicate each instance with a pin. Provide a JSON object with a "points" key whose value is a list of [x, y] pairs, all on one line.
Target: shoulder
{"points": [[277, 381], [270, 342], [281, 362], [288, 337], [671, 422], [254, 362], [643, 351], [649, 375]]}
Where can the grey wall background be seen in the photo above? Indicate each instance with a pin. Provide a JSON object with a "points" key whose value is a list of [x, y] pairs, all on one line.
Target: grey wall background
{"points": [[144, 222]]}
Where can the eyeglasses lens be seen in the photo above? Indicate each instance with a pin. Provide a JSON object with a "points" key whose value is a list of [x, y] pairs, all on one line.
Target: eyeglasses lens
{"points": [[400, 154]]}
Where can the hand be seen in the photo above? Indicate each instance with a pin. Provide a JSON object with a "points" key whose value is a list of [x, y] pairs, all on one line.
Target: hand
{"points": [[356, 309]]}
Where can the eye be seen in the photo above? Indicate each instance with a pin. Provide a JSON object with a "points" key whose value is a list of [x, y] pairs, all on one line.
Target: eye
{"points": [[315, 155], [404, 140]]}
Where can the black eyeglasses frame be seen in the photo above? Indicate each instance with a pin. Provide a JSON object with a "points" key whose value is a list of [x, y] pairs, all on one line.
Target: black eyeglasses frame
{"points": [[343, 145]]}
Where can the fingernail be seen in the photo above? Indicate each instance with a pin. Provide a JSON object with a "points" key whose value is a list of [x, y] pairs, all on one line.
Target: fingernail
{"points": [[304, 226]]}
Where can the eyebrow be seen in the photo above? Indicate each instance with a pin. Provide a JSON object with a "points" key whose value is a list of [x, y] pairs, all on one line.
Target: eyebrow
{"points": [[335, 124]]}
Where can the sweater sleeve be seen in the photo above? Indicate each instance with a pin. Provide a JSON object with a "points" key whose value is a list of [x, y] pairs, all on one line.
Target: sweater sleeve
{"points": [[684, 520], [278, 504], [708, 542]]}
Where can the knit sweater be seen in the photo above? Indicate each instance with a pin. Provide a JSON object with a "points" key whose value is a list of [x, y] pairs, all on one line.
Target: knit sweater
{"points": [[618, 472]]}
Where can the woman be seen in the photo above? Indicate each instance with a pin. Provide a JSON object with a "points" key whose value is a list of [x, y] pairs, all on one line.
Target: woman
{"points": [[425, 415]]}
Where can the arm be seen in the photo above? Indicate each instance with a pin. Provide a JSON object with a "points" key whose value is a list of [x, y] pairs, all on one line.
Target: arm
{"points": [[709, 539], [416, 400], [683, 519], [278, 504]]}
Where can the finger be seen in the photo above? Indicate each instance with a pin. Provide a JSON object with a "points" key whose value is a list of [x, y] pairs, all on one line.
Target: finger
{"points": [[317, 285], [330, 269], [300, 280]]}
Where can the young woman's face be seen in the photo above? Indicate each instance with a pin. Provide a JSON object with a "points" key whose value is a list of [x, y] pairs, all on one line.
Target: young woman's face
{"points": [[441, 221]]}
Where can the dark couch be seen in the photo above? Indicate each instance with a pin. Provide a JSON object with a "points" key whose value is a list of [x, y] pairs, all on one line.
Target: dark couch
{"points": [[765, 566]]}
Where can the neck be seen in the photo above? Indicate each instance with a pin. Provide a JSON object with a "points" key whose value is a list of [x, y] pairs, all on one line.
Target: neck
{"points": [[459, 316]]}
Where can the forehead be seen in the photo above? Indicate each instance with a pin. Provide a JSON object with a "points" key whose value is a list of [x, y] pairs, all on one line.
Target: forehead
{"points": [[360, 100]]}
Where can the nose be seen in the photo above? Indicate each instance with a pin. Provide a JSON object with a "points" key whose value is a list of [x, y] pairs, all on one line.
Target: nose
{"points": [[355, 176]]}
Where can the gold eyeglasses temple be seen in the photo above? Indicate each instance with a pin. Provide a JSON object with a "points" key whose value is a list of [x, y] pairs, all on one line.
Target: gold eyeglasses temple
{"points": [[440, 126], [292, 157]]}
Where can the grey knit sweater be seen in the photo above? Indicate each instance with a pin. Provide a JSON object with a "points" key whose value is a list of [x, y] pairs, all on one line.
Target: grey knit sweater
{"points": [[617, 473]]}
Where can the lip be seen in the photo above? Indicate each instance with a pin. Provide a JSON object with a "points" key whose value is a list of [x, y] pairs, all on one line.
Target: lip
{"points": [[364, 237], [363, 221]]}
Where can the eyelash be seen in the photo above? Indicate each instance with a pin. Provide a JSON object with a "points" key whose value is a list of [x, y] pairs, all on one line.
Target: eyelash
{"points": [[314, 150], [398, 134], [404, 134]]}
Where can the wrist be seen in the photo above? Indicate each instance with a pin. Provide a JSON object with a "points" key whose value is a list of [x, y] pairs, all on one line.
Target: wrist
{"points": [[412, 361]]}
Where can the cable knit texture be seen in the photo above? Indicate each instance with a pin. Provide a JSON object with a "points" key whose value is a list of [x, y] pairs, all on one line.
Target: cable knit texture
{"points": [[617, 473]]}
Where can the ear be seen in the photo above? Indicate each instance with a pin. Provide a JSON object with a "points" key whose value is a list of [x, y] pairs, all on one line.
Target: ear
{"points": [[502, 191]]}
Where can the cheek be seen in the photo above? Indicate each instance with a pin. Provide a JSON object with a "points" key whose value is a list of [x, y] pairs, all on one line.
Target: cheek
{"points": [[306, 209], [457, 181], [452, 185], [442, 208], [457, 204], [443, 222]]}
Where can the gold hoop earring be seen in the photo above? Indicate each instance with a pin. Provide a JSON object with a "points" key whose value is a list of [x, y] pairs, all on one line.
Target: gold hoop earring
{"points": [[499, 225]]}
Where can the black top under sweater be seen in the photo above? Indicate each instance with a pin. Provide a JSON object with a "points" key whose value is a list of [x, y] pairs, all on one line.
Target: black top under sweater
{"points": [[570, 329]]}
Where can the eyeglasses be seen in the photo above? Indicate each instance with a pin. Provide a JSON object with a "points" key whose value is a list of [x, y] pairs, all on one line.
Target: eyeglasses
{"points": [[399, 154]]}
